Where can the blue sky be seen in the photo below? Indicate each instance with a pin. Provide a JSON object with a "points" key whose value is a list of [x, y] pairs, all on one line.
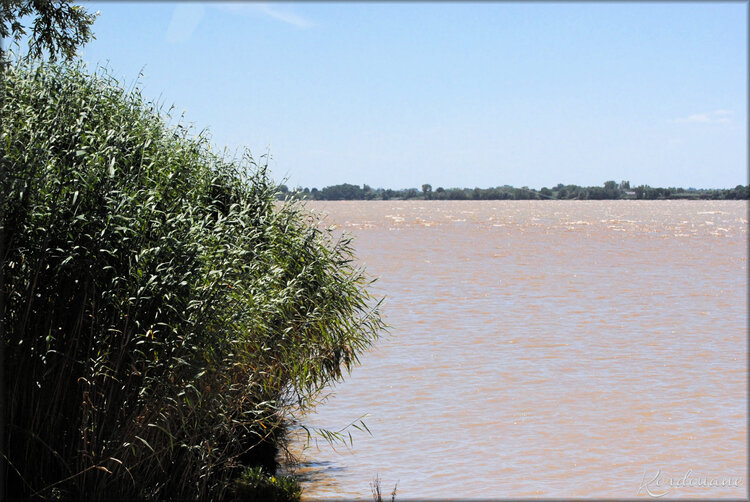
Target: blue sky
{"points": [[453, 94]]}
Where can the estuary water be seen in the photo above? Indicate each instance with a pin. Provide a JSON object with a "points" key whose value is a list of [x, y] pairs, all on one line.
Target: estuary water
{"points": [[545, 349]]}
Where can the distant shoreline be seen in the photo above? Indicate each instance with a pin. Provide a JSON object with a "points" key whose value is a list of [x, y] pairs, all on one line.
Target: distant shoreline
{"points": [[510, 200], [609, 191]]}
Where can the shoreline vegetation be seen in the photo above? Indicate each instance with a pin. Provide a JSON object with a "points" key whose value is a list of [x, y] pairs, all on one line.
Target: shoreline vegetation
{"points": [[610, 190], [165, 319]]}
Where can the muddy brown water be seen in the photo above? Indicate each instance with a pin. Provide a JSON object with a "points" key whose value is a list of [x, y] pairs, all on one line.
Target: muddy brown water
{"points": [[545, 349]]}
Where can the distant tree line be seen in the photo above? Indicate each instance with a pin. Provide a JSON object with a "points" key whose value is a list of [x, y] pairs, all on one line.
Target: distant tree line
{"points": [[609, 191]]}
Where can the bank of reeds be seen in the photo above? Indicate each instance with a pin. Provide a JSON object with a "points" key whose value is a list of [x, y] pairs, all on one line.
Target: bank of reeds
{"points": [[164, 316]]}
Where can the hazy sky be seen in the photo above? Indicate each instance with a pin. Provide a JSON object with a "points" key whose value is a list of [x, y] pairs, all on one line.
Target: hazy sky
{"points": [[453, 94]]}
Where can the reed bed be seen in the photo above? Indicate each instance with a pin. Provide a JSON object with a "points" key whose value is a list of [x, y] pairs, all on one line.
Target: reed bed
{"points": [[164, 316]]}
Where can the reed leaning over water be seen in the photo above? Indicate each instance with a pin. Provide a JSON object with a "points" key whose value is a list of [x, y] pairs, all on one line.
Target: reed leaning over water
{"points": [[164, 316]]}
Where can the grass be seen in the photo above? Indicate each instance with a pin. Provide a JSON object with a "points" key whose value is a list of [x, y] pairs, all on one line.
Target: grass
{"points": [[255, 484], [164, 317], [377, 494]]}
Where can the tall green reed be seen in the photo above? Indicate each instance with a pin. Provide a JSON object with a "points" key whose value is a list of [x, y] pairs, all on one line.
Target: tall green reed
{"points": [[164, 316]]}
